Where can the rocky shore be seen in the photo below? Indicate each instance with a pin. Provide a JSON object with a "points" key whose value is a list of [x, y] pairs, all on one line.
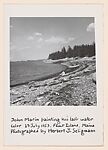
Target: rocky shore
{"points": [[76, 86]]}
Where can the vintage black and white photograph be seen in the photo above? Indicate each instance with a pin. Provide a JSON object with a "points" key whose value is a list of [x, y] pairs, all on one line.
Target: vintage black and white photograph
{"points": [[52, 61]]}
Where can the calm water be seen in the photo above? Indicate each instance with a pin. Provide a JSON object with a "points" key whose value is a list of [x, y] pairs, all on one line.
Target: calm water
{"points": [[24, 71]]}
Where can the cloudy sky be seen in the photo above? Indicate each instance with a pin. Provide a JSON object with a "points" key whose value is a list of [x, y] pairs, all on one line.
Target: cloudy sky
{"points": [[34, 38]]}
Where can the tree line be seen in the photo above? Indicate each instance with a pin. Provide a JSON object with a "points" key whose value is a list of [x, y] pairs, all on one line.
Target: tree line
{"points": [[76, 51]]}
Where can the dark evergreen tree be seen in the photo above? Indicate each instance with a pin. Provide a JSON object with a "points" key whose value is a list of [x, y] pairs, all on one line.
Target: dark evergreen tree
{"points": [[77, 51], [70, 52]]}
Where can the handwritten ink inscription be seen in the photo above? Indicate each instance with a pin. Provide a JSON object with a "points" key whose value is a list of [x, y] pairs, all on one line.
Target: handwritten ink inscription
{"points": [[52, 125]]}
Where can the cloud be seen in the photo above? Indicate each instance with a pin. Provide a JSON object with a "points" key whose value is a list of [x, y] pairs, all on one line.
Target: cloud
{"points": [[38, 34], [70, 39], [30, 38], [51, 40], [55, 40], [91, 27], [34, 35], [40, 40], [59, 40]]}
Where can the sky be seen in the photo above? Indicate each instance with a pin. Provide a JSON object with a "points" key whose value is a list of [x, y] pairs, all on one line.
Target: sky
{"points": [[33, 38]]}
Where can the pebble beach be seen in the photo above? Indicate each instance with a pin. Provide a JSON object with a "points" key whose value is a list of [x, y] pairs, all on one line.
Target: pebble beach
{"points": [[75, 86]]}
